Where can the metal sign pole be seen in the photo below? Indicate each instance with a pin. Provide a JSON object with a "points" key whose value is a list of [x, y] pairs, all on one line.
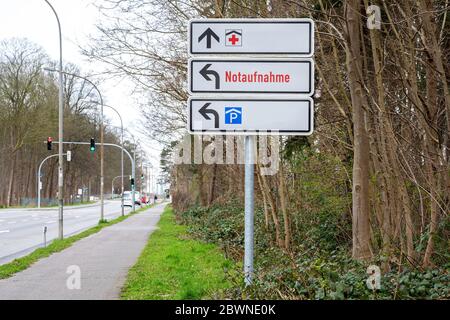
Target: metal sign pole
{"points": [[45, 236], [249, 209]]}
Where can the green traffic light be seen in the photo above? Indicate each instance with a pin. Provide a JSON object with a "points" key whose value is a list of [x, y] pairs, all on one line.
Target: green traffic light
{"points": [[92, 144]]}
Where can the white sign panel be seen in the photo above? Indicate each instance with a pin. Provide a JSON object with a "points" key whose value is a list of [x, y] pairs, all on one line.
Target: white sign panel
{"points": [[250, 116], [252, 36], [251, 76]]}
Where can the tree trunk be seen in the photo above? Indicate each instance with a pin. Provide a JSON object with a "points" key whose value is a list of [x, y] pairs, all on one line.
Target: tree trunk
{"points": [[212, 185], [273, 211], [10, 183], [283, 204], [266, 209], [361, 223]]}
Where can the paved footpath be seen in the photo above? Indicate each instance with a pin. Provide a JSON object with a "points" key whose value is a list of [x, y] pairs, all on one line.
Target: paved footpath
{"points": [[102, 259]]}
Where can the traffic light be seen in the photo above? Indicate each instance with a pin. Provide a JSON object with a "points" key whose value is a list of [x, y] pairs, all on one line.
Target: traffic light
{"points": [[92, 144], [142, 176], [49, 143], [132, 183]]}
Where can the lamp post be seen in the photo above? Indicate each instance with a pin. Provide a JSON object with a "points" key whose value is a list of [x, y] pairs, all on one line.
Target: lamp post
{"points": [[149, 177], [39, 178], [102, 198], [147, 166], [134, 171], [112, 184], [121, 155], [142, 170], [60, 132]]}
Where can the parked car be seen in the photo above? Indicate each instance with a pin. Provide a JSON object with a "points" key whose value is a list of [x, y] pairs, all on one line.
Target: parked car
{"points": [[145, 199], [128, 198]]}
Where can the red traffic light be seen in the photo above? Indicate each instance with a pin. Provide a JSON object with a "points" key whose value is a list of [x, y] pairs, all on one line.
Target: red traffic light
{"points": [[49, 143]]}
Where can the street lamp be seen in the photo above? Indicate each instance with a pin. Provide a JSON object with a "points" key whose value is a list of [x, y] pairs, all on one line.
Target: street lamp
{"points": [[121, 156], [134, 171], [112, 185], [142, 170], [148, 166], [39, 183], [102, 200], [60, 132]]}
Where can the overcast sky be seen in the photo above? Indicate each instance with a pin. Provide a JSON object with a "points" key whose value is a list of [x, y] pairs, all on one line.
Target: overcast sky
{"points": [[33, 19]]}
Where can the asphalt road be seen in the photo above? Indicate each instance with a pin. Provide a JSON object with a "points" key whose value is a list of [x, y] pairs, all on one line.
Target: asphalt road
{"points": [[94, 267], [21, 230]]}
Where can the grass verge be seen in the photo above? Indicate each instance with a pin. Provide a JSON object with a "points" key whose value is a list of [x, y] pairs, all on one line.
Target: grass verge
{"points": [[9, 269], [172, 266]]}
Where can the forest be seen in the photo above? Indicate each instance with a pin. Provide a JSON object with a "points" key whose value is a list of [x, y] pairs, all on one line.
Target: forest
{"points": [[29, 115]]}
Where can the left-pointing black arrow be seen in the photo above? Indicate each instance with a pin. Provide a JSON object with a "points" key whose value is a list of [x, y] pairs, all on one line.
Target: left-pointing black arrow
{"points": [[204, 111], [205, 72], [208, 34]]}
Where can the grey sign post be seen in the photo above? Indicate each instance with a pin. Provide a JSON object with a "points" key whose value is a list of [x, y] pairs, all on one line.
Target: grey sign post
{"points": [[277, 91], [249, 208], [45, 236]]}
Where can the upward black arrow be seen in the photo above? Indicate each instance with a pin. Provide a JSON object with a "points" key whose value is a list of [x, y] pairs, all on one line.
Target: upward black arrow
{"points": [[208, 34], [204, 112], [205, 72]]}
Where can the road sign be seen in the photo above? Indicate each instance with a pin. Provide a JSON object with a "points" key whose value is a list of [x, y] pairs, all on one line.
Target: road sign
{"points": [[251, 76], [252, 36], [251, 116]]}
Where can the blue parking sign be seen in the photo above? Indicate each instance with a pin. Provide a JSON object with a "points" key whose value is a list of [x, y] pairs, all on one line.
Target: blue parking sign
{"points": [[233, 115]]}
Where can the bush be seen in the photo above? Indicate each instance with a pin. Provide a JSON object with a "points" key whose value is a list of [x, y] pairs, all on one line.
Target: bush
{"points": [[320, 264]]}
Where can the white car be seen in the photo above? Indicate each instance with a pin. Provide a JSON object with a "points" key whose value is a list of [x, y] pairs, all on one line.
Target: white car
{"points": [[128, 201]]}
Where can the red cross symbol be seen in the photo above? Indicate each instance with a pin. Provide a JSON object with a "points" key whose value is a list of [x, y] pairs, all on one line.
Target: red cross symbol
{"points": [[233, 39]]}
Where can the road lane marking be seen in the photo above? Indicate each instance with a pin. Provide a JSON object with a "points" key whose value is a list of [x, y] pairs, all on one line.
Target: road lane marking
{"points": [[12, 222], [52, 221], [4, 231]]}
